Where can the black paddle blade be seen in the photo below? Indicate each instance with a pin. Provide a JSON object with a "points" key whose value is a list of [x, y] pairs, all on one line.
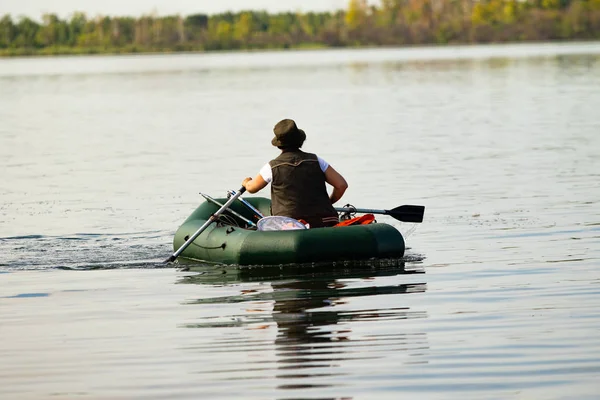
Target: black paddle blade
{"points": [[407, 213]]}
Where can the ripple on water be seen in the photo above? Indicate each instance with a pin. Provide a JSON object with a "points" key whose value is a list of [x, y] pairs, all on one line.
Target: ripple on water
{"points": [[84, 251]]}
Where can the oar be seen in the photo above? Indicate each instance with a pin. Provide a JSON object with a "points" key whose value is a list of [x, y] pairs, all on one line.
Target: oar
{"points": [[215, 202], [407, 213], [257, 214], [212, 219]]}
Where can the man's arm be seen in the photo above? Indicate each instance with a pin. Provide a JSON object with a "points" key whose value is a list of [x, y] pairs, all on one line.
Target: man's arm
{"points": [[254, 185], [337, 181]]}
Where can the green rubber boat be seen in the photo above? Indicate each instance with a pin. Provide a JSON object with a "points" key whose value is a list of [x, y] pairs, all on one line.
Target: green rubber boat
{"points": [[231, 241]]}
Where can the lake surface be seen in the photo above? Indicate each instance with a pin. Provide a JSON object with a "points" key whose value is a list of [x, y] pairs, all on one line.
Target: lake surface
{"points": [[498, 296]]}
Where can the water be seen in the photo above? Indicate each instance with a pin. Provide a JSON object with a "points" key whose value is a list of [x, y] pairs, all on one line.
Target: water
{"points": [[498, 296]]}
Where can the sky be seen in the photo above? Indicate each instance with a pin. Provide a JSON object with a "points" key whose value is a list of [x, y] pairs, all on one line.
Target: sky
{"points": [[64, 8]]}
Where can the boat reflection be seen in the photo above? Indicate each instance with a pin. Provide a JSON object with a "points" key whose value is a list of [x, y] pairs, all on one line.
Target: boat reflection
{"points": [[319, 315], [224, 274]]}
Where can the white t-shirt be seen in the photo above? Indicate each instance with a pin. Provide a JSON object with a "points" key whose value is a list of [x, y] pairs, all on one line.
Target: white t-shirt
{"points": [[267, 173]]}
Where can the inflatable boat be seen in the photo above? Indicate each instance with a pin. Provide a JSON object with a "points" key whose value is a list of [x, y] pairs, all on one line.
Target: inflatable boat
{"points": [[234, 239]]}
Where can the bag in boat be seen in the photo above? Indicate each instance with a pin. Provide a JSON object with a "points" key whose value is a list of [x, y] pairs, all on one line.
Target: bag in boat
{"points": [[362, 220], [279, 223]]}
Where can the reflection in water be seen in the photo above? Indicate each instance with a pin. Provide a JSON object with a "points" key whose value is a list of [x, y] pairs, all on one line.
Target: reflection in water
{"points": [[309, 337], [315, 319]]}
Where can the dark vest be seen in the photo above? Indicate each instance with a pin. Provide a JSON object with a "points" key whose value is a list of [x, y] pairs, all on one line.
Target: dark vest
{"points": [[298, 187]]}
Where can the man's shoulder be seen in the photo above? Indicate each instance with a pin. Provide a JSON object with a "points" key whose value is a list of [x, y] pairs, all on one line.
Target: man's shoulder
{"points": [[296, 156], [310, 156]]}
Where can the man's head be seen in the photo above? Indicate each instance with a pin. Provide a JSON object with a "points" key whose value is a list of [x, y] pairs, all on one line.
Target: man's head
{"points": [[288, 135]]}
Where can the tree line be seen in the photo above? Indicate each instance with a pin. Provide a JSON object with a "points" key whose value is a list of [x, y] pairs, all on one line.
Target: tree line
{"points": [[391, 23]]}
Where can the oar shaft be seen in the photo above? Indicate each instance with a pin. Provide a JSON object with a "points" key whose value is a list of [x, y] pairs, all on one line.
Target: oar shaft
{"points": [[240, 216], [212, 219], [250, 206], [361, 210]]}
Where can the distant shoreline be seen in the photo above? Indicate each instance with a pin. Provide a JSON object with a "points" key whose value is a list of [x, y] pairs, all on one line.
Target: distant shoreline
{"points": [[394, 23], [299, 48], [9, 53]]}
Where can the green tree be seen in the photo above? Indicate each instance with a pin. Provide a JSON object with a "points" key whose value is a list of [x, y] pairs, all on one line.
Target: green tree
{"points": [[7, 32], [27, 30], [76, 27], [53, 31]]}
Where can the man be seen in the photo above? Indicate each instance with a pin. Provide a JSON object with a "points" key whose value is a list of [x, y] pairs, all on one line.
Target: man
{"points": [[298, 180]]}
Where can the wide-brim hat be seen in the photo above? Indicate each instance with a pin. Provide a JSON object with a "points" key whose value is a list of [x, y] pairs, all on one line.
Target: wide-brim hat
{"points": [[287, 134]]}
